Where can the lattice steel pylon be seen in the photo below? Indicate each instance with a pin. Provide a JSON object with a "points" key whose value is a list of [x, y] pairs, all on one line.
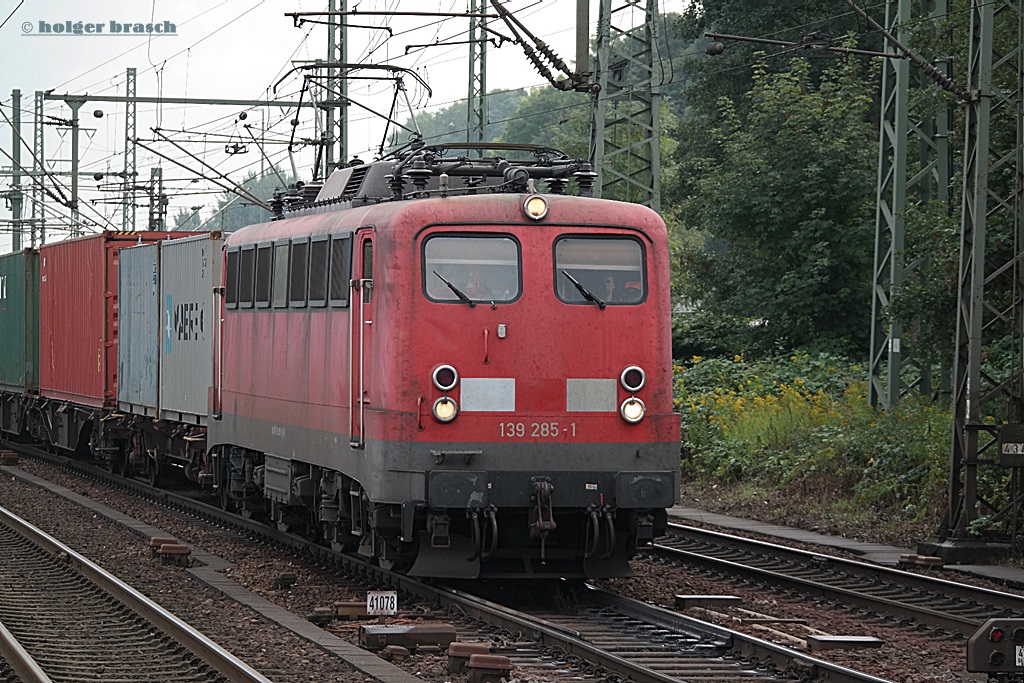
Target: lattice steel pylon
{"points": [[476, 105], [625, 136], [894, 370], [157, 199], [39, 174], [128, 211], [988, 409], [16, 193], [336, 90]]}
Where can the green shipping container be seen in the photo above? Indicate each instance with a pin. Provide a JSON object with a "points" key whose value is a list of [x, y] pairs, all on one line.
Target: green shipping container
{"points": [[19, 322]]}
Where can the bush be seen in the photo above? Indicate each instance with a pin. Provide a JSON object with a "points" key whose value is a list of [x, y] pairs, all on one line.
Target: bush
{"points": [[804, 421]]}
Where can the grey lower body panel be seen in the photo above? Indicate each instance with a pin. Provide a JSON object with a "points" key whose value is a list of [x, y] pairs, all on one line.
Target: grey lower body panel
{"points": [[503, 474]]}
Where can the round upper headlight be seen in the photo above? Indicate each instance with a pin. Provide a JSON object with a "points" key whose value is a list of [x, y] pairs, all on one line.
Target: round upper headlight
{"points": [[445, 409], [535, 207], [633, 378], [632, 410], [445, 377]]}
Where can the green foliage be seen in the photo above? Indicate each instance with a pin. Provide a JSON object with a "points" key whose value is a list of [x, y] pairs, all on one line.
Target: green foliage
{"points": [[234, 212], [803, 421], [787, 203], [450, 124], [730, 75], [698, 333], [548, 116], [925, 305], [187, 219]]}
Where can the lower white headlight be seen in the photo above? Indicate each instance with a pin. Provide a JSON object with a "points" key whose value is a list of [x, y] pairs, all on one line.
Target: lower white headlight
{"points": [[445, 409], [632, 410]]}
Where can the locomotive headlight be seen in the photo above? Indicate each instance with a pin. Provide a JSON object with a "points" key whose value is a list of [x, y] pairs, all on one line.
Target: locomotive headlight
{"points": [[632, 410], [535, 207], [445, 377], [445, 409], [633, 378]]}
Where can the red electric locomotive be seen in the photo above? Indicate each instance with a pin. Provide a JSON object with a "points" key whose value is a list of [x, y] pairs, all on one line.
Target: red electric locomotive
{"points": [[456, 374]]}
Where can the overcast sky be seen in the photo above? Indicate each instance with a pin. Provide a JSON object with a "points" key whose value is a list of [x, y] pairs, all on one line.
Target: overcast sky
{"points": [[234, 49]]}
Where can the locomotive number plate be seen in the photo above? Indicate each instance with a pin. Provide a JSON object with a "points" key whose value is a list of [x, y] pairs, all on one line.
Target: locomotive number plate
{"points": [[536, 430]]}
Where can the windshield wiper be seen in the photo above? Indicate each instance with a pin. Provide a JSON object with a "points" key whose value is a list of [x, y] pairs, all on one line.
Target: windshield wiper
{"points": [[584, 291], [458, 292]]}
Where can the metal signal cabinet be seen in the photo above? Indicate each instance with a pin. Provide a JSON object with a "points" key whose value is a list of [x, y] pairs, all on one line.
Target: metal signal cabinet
{"points": [[138, 344], [997, 647], [19, 340], [78, 316], [190, 269]]}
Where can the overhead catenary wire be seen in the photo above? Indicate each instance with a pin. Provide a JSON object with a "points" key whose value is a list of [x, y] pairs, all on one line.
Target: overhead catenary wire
{"points": [[221, 179], [428, 61], [58, 185]]}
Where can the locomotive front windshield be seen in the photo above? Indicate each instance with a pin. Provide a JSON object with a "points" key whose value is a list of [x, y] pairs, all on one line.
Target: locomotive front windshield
{"points": [[473, 268], [610, 269]]}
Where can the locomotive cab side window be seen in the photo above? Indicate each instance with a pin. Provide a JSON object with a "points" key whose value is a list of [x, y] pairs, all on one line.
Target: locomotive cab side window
{"points": [[264, 258], [246, 276], [611, 270], [231, 281], [280, 288], [298, 274], [318, 261], [471, 268], [341, 269]]}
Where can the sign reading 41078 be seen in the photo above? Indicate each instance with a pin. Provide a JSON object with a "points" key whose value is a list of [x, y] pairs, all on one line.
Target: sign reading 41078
{"points": [[381, 602]]}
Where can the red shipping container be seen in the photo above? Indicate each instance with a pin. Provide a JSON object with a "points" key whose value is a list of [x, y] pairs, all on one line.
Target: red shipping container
{"points": [[78, 316]]}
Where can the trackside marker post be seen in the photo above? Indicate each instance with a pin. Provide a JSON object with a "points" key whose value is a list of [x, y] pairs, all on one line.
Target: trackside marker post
{"points": [[382, 604]]}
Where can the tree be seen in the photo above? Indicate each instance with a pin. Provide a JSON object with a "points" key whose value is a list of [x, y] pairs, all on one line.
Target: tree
{"points": [[187, 219], [787, 204], [731, 74], [449, 124], [552, 117], [234, 212]]}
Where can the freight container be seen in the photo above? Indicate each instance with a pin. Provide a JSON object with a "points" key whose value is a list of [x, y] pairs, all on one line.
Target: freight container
{"points": [[138, 344], [78, 318], [190, 268], [19, 319], [19, 337]]}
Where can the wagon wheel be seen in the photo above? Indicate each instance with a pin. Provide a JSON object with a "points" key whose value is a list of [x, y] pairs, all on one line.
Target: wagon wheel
{"points": [[118, 464]]}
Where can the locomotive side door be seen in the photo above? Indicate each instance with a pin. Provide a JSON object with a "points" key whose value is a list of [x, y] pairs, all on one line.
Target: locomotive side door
{"points": [[361, 320]]}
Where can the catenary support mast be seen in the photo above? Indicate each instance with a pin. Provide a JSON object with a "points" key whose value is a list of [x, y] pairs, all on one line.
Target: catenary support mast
{"points": [[988, 404], [625, 137], [901, 182]]}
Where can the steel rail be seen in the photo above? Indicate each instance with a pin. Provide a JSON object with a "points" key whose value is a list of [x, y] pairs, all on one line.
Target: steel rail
{"points": [[548, 634], [926, 583], [747, 646], [19, 659], [957, 623], [219, 659]]}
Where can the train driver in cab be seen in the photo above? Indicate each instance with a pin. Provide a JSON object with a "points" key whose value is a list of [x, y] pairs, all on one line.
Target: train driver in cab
{"points": [[611, 289]]}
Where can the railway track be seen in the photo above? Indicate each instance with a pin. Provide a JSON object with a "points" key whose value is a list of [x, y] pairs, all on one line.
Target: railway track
{"points": [[66, 619], [594, 634], [952, 607], [639, 642]]}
